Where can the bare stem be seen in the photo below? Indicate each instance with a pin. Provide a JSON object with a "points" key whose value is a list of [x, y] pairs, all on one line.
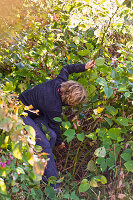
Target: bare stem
{"points": [[76, 159], [68, 154]]}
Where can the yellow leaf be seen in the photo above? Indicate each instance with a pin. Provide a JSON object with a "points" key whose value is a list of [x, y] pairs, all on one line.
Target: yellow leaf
{"points": [[29, 157], [28, 107], [6, 139], [68, 57], [32, 132], [2, 187], [99, 110], [103, 180], [17, 151], [39, 167], [93, 183], [66, 126], [16, 111], [91, 144], [102, 1], [31, 161], [87, 1], [43, 154]]}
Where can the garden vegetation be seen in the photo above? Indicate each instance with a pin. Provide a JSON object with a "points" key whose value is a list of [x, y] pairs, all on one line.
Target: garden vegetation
{"points": [[39, 37]]}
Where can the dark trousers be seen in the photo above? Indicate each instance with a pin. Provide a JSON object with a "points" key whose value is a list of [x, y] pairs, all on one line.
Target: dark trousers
{"points": [[47, 145]]}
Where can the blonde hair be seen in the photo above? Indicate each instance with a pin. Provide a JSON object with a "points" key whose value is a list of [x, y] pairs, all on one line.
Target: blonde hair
{"points": [[72, 92]]}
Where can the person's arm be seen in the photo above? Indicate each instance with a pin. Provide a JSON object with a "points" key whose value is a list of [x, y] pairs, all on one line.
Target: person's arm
{"points": [[74, 68], [55, 126]]}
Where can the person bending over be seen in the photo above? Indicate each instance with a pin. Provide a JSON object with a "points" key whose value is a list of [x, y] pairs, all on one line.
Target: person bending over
{"points": [[48, 98]]}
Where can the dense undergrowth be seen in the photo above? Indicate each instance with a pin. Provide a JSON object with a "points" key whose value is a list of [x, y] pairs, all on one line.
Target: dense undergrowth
{"points": [[37, 39]]}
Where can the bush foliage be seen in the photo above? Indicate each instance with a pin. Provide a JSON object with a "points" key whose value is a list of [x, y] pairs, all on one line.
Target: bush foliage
{"points": [[37, 39]]}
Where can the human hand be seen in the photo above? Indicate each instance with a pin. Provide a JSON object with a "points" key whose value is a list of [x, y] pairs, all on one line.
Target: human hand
{"points": [[61, 146], [89, 65]]}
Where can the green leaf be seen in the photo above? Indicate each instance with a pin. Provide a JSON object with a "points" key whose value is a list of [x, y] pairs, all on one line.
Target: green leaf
{"points": [[127, 94], [81, 136], [110, 161], [15, 189], [99, 61], [70, 134], [113, 73], [36, 193], [66, 125], [38, 148], [44, 128], [57, 119], [92, 136], [103, 180], [16, 56], [84, 52], [8, 87], [100, 152], [123, 121], [20, 65], [91, 90], [129, 165], [109, 121], [93, 183], [89, 46], [108, 91], [66, 196], [50, 193], [47, 136], [93, 75], [131, 144], [74, 196], [111, 110], [102, 163], [101, 81], [122, 88], [101, 132], [114, 133], [91, 166], [52, 180], [100, 160], [84, 187], [126, 156], [106, 141]]}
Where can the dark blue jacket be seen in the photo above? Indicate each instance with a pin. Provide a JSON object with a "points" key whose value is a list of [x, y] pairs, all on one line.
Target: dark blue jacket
{"points": [[46, 97]]}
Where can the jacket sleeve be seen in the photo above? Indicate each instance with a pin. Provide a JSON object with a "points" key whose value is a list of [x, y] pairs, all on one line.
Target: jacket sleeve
{"points": [[55, 126], [69, 69]]}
